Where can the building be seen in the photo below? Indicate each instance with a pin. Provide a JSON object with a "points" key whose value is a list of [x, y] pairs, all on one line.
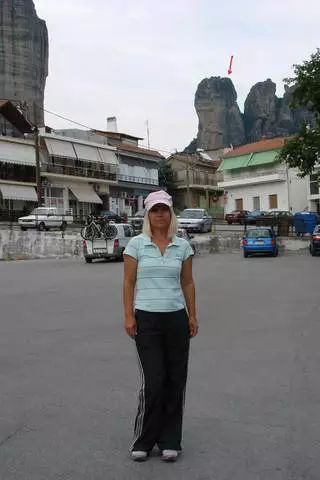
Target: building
{"points": [[138, 167], [254, 179], [314, 191], [138, 172], [195, 181], [77, 174], [17, 177], [17, 166]]}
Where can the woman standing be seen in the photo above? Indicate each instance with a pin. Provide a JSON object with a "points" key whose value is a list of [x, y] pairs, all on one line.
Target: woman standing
{"points": [[158, 286]]}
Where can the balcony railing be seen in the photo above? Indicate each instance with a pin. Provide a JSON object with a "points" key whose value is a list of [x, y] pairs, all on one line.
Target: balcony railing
{"points": [[18, 173], [130, 178], [87, 172], [195, 178]]}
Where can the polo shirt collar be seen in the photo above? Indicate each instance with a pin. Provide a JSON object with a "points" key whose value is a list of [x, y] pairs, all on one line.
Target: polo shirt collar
{"points": [[174, 241]]}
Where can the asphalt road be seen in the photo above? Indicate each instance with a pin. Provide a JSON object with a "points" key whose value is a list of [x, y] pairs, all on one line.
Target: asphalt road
{"points": [[69, 381]]}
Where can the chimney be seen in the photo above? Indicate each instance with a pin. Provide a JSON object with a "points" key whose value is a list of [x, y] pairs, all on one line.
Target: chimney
{"points": [[112, 124]]}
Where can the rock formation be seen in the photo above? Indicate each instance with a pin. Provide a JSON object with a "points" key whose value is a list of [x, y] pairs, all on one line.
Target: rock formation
{"points": [[220, 119], [23, 60], [265, 115]]}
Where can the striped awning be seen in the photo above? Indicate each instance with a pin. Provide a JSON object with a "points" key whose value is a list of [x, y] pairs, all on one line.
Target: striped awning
{"points": [[84, 193], [18, 192]]}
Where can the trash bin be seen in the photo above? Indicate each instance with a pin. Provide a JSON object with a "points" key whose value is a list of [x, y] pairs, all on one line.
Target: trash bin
{"points": [[305, 222]]}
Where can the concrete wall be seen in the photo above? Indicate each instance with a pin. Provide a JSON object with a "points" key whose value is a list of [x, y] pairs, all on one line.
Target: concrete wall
{"points": [[16, 245]]}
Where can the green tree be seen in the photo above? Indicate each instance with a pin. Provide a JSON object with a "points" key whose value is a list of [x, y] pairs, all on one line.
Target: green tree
{"points": [[166, 177], [303, 150]]}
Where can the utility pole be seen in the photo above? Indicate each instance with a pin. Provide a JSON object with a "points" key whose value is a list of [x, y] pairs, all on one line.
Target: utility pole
{"points": [[37, 151], [188, 186]]}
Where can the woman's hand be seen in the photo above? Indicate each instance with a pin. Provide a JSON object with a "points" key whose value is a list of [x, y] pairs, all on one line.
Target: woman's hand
{"points": [[193, 326], [130, 326]]}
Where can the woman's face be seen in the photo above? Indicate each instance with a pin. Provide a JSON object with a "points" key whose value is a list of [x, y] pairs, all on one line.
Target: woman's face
{"points": [[160, 216]]}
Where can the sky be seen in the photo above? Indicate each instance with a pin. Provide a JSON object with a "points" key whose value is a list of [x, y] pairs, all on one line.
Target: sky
{"points": [[142, 60]]}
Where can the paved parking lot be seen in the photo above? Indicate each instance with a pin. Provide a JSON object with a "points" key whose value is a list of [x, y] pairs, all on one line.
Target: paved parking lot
{"points": [[68, 377]]}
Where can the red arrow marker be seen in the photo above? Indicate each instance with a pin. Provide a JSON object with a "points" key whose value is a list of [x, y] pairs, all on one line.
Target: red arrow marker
{"points": [[230, 65]]}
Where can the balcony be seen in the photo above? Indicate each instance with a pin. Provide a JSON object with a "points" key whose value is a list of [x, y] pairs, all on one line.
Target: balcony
{"points": [[133, 179], [108, 173], [17, 173], [197, 180]]}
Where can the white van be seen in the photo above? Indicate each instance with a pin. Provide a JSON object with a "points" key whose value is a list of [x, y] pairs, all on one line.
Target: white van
{"points": [[109, 249]]}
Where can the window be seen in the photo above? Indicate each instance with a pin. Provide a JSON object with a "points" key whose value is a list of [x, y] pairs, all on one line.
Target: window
{"points": [[259, 233], [256, 203], [239, 203], [273, 201], [127, 231], [314, 185]]}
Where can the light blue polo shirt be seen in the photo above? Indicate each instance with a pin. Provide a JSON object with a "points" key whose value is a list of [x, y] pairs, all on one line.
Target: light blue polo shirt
{"points": [[158, 285]]}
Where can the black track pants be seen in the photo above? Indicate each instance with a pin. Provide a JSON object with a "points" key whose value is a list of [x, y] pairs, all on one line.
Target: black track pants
{"points": [[163, 349]]}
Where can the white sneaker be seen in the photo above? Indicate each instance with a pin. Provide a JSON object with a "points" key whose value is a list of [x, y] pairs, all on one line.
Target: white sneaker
{"points": [[169, 455], [139, 456]]}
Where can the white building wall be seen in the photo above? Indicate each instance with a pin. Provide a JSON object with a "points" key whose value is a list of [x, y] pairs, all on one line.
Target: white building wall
{"points": [[263, 191], [298, 191]]}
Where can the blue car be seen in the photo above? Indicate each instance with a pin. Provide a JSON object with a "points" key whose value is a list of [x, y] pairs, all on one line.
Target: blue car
{"points": [[314, 246], [260, 240]]}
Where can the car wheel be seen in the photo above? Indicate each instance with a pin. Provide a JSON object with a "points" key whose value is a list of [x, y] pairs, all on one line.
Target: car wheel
{"points": [[41, 227], [63, 226], [88, 260], [23, 229], [229, 223], [241, 222], [120, 258], [313, 252], [275, 253], [245, 254]]}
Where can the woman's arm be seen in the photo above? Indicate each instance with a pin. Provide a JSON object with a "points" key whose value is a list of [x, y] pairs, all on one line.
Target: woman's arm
{"points": [[189, 291], [129, 283]]}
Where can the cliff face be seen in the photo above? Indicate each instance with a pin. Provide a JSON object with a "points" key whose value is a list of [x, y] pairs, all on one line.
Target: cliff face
{"points": [[23, 59], [220, 119], [265, 115]]}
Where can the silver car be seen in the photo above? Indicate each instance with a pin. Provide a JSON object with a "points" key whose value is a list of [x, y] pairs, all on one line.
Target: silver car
{"points": [[195, 220]]}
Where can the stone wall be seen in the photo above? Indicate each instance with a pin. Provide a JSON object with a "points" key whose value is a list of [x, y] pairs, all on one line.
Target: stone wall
{"points": [[16, 245]]}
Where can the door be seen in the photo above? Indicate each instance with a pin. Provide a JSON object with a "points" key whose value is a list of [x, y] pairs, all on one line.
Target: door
{"points": [[239, 204], [256, 203]]}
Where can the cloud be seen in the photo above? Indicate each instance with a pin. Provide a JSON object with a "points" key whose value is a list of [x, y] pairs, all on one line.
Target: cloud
{"points": [[143, 59]]}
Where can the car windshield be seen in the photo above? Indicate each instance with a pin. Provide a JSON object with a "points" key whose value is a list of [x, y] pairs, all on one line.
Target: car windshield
{"points": [[191, 214], [40, 211], [259, 233], [256, 213]]}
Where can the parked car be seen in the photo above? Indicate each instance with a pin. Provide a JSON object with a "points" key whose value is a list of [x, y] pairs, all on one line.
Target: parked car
{"points": [[182, 232], [253, 217], [107, 214], [314, 246], [137, 221], [237, 216], [195, 220], [279, 213], [45, 218], [108, 249], [260, 240]]}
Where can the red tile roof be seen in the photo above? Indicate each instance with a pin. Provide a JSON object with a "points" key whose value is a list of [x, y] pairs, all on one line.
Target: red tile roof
{"points": [[133, 148], [116, 135], [193, 159], [262, 145]]}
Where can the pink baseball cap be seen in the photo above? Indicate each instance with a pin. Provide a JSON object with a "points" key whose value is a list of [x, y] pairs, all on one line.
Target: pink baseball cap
{"points": [[158, 197]]}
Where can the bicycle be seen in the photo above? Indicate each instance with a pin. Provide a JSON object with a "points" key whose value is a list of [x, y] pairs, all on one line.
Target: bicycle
{"points": [[98, 228]]}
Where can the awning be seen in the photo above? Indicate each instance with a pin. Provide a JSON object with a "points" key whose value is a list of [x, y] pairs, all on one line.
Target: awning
{"points": [[60, 148], [84, 193], [108, 156], [87, 153], [17, 153], [231, 163], [262, 158], [18, 192]]}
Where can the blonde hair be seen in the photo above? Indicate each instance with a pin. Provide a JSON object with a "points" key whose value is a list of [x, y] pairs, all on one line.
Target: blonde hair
{"points": [[172, 230]]}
